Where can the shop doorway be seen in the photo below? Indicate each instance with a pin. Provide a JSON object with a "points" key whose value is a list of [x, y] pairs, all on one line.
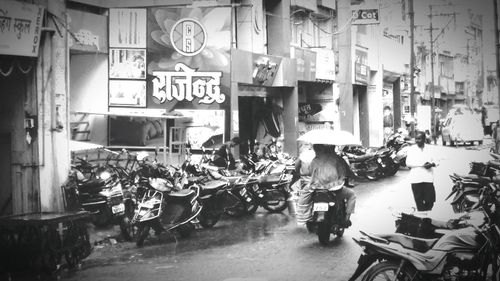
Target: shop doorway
{"points": [[260, 121], [5, 176]]}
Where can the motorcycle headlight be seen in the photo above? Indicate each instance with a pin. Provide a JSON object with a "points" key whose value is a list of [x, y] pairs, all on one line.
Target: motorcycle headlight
{"points": [[104, 175]]}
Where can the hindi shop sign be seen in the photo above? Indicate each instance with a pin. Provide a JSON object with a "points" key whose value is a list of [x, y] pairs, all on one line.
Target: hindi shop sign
{"points": [[365, 16], [20, 28], [186, 83]]}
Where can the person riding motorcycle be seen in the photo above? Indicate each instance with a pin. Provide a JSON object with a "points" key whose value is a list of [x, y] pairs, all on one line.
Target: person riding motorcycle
{"points": [[328, 171]]}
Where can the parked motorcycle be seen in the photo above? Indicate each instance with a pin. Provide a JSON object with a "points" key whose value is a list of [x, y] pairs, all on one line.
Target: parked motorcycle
{"points": [[101, 193], [388, 164], [363, 163], [165, 207], [328, 215], [400, 144], [462, 254]]}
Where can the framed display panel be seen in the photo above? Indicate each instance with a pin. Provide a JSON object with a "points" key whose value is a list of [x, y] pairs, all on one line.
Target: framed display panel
{"points": [[130, 93], [127, 63], [127, 28], [206, 127]]}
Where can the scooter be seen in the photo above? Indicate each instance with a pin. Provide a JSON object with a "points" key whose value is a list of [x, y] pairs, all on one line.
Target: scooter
{"points": [[164, 206]]}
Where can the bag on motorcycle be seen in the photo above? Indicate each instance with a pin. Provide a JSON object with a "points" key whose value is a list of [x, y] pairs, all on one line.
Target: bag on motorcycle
{"points": [[415, 226]]}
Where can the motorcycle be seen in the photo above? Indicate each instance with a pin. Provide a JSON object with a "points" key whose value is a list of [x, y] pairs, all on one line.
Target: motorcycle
{"points": [[386, 158], [328, 215], [400, 144], [462, 254], [102, 194], [166, 207], [363, 163]]}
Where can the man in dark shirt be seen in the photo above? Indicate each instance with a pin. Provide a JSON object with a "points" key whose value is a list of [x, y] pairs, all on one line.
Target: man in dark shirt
{"points": [[224, 157]]}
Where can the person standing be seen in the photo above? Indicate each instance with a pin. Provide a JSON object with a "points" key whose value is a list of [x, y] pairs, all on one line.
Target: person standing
{"points": [[328, 171], [224, 157], [422, 164]]}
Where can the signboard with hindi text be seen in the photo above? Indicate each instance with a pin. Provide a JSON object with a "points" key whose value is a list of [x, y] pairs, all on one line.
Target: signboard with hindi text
{"points": [[20, 28]]}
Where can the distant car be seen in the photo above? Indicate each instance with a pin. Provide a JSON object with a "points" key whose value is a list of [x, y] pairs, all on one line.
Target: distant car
{"points": [[462, 127]]}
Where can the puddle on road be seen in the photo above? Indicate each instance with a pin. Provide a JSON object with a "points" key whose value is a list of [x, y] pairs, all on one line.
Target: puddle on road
{"points": [[227, 232]]}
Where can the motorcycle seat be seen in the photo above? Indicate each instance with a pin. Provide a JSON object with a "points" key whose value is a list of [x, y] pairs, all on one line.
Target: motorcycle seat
{"points": [[195, 179], [474, 178], [360, 158], [214, 184], [409, 242], [270, 179], [494, 163], [91, 184], [181, 193]]}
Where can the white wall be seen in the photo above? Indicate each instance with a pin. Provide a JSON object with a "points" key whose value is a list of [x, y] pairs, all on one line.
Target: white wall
{"points": [[89, 91]]}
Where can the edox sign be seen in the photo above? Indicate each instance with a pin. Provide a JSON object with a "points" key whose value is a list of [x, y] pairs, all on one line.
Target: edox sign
{"points": [[188, 37]]}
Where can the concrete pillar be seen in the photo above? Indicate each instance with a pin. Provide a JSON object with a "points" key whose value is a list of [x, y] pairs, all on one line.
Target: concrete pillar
{"points": [[291, 120], [278, 27], [375, 108], [52, 76], [345, 67]]}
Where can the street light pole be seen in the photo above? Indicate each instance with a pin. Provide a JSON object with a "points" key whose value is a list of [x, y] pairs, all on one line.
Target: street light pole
{"points": [[432, 77], [497, 55], [413, 99]]}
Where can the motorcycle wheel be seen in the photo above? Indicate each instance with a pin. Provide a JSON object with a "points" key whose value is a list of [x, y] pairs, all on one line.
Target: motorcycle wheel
{"points": [[209, 218], [252, 206], [392, 170], [129, 231], [142, 234], [237, 210], [323, 234], [275, 195], [102, 218], [387, 270], [185, 230], [373, 176]]}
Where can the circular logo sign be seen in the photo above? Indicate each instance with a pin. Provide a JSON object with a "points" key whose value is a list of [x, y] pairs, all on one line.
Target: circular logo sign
{"points": [[188, 37]]}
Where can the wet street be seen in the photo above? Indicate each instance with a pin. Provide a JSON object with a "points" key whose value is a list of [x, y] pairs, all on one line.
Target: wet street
{"points": [[271, 246]]}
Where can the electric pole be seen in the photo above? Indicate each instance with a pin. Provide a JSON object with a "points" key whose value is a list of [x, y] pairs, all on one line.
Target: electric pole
{"points": [[497, 55], [413, 99], [432, 78]]}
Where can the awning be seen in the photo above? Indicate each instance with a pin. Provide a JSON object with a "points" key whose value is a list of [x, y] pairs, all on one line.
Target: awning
{"points": [[75, 146]]}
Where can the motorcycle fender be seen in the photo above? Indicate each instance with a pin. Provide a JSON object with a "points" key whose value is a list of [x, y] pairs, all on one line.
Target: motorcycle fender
{"points": [[364, 262], [432, 264], [320, 216]]}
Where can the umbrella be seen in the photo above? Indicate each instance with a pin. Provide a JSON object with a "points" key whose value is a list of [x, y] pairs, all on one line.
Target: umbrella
{"points": [[327, 136]]}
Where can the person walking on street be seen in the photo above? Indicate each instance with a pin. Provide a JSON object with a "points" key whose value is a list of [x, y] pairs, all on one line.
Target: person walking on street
{"points": [[422, 164], [328, 171]]}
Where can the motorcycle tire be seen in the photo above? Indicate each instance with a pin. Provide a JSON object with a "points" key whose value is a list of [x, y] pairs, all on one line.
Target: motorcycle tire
{"points": [[252, 206], [185, 230], [128, 230], [388, 269], [392, 170], [208, 218], [278, 195], [323, 234], [237, 210], [142, 234], [373, 176], [340, 232]]}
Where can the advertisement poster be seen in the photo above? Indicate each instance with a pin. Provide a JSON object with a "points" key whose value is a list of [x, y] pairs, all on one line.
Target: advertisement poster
{"points": [[206, 128], [127, 93], [20, 28], [388, 110], [188, 68], [127, 28], [127, 63], [317, 111]]}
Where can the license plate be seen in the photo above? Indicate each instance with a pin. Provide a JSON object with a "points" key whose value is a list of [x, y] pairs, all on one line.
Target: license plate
{"points": [[320, 207], [118, 208]]}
